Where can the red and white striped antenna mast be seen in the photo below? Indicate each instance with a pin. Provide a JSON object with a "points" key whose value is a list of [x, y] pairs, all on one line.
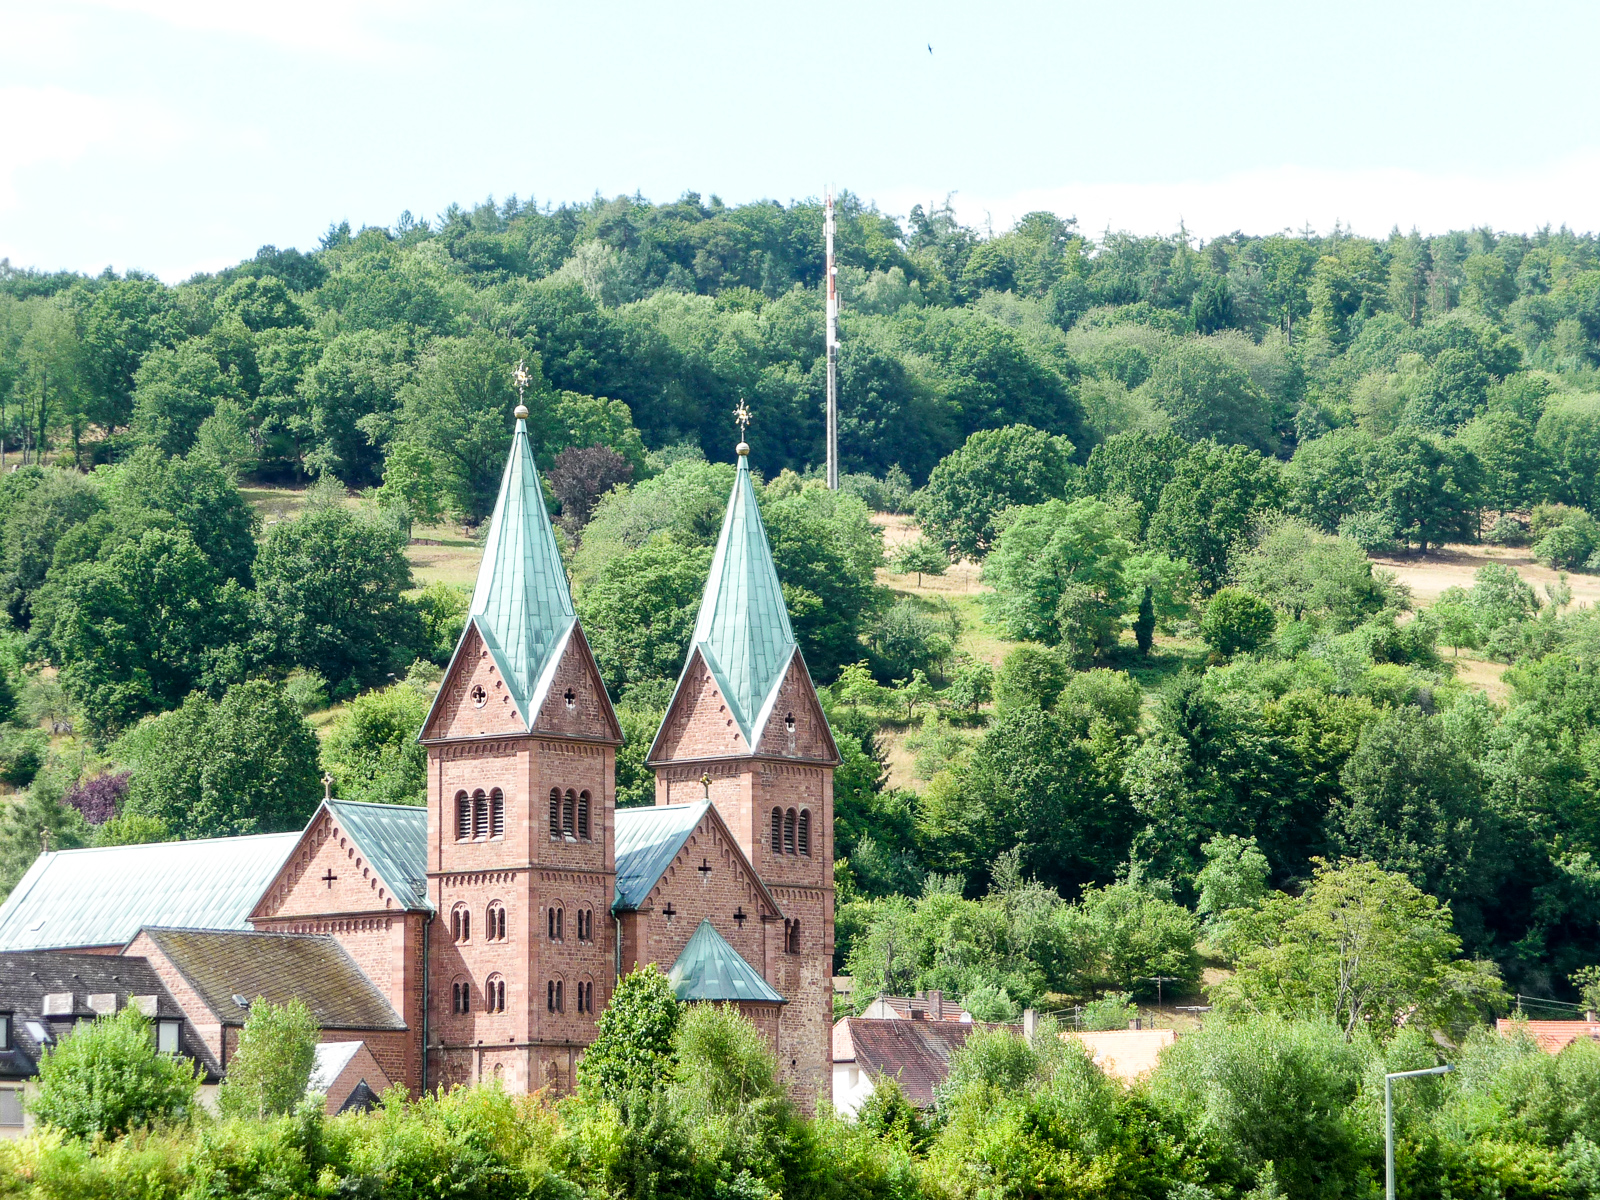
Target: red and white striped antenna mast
{"points": [[832, 346]]}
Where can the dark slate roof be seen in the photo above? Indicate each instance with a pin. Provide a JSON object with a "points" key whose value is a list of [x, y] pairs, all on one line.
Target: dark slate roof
{"points": [[521, 605], [916, 1053], [742, 631], [104, 895], [28, 976], [394, 840], [361, 1099], [648, 839], [277, 967], [711, 970]]}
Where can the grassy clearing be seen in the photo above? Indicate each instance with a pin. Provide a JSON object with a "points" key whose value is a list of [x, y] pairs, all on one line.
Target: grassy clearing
{"points": [[1428, 575]]}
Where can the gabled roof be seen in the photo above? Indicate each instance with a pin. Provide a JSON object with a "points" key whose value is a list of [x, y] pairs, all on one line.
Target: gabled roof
{"points": [[742, 632], [914, 1053], [521, 606], [647, 840], [27, 977], [711, 970], [277, 967], [394, 840], [103, 896]]}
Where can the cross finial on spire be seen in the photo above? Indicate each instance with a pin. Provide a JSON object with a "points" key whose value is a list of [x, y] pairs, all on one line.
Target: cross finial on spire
{"points": [[327, 786], [520, 379], [742, 418]]}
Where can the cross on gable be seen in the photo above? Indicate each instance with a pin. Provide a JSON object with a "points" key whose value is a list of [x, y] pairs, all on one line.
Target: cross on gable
{"points": [[329, 878]]}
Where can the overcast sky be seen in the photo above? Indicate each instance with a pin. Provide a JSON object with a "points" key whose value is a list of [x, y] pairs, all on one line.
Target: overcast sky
{"points": [[180, 135]]}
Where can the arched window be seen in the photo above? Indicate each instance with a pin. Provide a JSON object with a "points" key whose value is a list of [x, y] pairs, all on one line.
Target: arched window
{"points": [[553, 999], [463, 817], [497, 813], [585, 996], [461, 923], [777, 831], [805, 832], [568, 813], [556, 917], [586, 924], [583, 815], [555, 813], [497, 922], [480, 815], [494, 995], [788, 832], [460, 997], [793, 937]]}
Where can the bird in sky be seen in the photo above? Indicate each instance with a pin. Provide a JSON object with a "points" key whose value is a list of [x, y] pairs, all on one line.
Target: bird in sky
{"points": [[930, 47]]}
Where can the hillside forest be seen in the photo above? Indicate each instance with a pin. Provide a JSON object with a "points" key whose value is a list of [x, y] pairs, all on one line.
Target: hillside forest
{"points": [[1125, 691]]}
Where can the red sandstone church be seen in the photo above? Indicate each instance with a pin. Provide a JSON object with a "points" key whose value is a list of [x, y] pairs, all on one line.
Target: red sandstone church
{"points": [[488, 931]]}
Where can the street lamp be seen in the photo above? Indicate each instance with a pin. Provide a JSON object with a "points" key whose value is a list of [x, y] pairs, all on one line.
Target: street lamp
{"points": [[1388, 1121]]}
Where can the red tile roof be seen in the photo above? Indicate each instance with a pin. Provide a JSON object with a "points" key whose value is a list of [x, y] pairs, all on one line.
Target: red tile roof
{"points": [[1552, 1036]]}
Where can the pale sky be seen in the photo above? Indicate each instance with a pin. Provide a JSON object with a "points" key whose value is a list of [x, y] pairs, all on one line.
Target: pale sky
{"points": [[180, 135]]}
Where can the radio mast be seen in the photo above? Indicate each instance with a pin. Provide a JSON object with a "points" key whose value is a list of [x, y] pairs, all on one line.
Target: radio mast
{"points": [[832, 347]]}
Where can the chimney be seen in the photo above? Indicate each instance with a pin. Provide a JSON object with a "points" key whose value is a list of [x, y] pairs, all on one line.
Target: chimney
{"points": [[1136, 1023], [1030, 1022], [1591, 1017], [936, 1004]]}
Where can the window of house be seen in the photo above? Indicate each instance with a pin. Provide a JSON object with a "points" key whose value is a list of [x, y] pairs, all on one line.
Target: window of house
{"points": [[497, 814], [552, 996], [5, 1031], [461, 924], [805, 832], [585, 996], [460, 996], [167, 1037], [480, 815], [494, 994], [497, 922], [792, 936], [788, 831], [585, 925], [569, 808], [583, 815], [560, 1007], [556, 918], [777, 831], [10, 1107], [555, 813], [463, 817]]}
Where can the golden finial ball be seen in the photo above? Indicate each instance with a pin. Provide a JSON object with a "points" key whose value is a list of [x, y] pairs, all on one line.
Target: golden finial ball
{"points": [[742, 449], [522, 412]]}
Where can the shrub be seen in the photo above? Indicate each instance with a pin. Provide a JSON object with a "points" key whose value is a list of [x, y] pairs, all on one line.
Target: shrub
{"points": [[98, 799], [1030, 675], [107, 1077], [267, 1075], [1372, 531], [1236, 621]]}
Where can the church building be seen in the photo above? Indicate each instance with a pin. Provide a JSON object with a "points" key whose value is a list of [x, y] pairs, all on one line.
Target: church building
{"points": [[490, 928]]}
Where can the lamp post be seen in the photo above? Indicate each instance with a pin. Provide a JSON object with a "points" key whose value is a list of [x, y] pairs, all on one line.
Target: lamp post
{"points": [[1388, 1121]]}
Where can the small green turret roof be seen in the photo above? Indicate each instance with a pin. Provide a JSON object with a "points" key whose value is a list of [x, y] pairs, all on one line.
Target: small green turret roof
{"points": [[521, 606], [711, 970], [743, 630]]}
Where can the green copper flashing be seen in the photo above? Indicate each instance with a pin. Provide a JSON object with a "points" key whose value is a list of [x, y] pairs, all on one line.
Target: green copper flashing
{"points": [[743, 630], [521, 605], [711, 971]]}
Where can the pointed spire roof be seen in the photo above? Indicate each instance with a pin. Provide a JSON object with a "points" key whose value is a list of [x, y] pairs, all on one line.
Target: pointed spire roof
{"points": [[520, 605], [743, 630]]}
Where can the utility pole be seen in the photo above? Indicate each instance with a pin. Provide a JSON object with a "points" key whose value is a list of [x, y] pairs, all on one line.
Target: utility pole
{"points": [[1388, 1121], [833, 347]]}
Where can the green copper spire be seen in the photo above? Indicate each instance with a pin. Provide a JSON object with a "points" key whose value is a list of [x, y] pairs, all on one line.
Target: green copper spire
{"points": [[521, 605], [743, 629]]}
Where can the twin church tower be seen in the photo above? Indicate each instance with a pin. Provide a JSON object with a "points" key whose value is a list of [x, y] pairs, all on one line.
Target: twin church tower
{"points": [[544, 893]]}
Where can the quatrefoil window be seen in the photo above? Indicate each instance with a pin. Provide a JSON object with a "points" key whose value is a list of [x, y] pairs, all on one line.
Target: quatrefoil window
{"points": [[479, 696]]}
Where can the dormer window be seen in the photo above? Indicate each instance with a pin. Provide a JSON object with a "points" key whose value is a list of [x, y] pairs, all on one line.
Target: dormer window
{"points": [[167, 1037], [5, 1031]]}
